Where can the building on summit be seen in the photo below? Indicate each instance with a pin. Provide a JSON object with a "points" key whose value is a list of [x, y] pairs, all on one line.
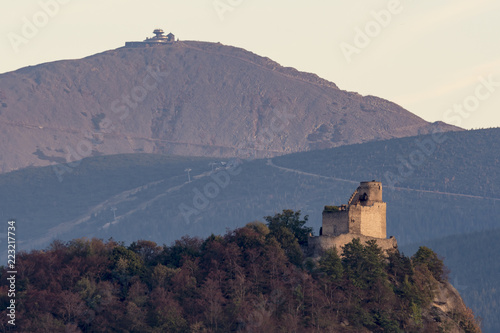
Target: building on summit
{"points": [[363, 217], [158, 39]]}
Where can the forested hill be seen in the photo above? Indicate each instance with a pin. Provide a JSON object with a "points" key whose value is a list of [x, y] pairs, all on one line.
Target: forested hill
{"points": [[252, 279]]}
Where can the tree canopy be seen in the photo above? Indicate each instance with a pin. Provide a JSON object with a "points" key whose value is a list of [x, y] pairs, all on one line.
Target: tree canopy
{"points": [[243, 281]]}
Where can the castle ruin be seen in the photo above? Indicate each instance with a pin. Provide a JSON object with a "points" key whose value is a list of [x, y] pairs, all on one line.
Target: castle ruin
{"points": [[363, 217]]}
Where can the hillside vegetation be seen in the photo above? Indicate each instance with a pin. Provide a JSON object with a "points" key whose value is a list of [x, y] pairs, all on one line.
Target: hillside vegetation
{"points": [[474, 271], [248, 280]]}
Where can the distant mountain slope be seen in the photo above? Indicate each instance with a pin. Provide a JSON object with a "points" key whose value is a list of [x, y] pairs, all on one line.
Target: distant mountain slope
{"points": [[188, 98], [466, 162], [155, 190]]}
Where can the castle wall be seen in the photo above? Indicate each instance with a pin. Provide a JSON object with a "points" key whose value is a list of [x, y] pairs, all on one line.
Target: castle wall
{"points": [[355, 219], [135, 44], [146, 44], [368, 220], [335, 223], [318, 245]]}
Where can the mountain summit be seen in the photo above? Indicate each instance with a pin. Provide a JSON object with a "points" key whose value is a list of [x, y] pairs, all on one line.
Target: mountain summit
{"points": [[185, 98]]}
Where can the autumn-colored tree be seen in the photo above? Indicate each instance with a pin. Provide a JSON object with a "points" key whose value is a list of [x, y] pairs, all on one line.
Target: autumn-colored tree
{"points": [[249, 280], [165, 313], [147, 250]]}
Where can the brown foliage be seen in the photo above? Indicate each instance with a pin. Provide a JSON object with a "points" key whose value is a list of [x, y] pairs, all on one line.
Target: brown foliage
{"points": [[242, 281]]}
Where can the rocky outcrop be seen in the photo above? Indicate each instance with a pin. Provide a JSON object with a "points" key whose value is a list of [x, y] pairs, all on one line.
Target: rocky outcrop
{"points": [[448, 311]]}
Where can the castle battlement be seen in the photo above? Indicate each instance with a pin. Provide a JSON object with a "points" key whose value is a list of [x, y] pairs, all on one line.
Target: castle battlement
{"points": [[363, 217]]}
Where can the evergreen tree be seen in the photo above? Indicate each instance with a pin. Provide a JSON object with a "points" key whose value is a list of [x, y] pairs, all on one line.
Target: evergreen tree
{"points": [[331, 264], [290, 220], [429, 258]]}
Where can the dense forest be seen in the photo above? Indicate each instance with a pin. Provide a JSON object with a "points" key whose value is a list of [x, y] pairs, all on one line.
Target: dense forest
{"points": [[252, 279]]}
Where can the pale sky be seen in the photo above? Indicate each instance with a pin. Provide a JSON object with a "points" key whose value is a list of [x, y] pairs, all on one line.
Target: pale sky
{"points": [[439, 59]]}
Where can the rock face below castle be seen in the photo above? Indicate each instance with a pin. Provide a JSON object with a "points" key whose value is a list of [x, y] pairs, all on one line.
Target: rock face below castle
{"points": [[363, 217]]}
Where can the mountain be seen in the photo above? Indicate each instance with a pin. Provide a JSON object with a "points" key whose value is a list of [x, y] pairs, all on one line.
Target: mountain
{"points": [[187, 98]]}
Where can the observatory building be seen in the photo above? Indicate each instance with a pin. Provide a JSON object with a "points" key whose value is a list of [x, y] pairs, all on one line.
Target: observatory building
{"points": [[158, 39]]}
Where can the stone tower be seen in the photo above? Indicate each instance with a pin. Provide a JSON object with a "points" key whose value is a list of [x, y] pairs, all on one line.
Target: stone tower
{"points": [[364, 214], [363, 217]]}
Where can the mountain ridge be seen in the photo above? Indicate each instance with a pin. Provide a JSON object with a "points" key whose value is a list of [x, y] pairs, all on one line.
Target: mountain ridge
{"points": [[189, 98]]}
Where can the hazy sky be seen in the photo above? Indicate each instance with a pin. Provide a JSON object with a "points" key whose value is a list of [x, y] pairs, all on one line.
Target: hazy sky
{"points": [[439, 59]]}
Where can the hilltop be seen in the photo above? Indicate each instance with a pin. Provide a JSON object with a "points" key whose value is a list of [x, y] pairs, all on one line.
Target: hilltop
{"points": [[187, 98], [249, 280]]}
